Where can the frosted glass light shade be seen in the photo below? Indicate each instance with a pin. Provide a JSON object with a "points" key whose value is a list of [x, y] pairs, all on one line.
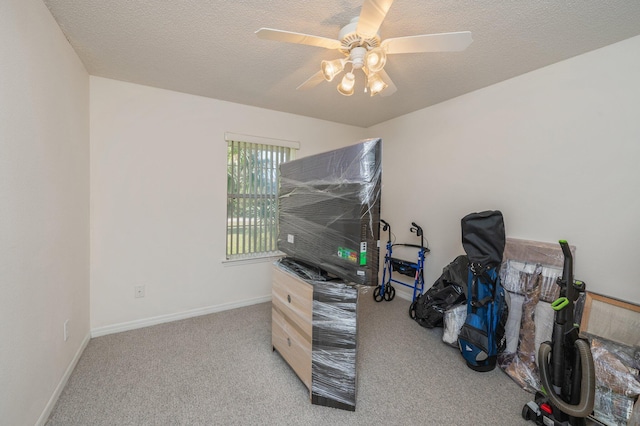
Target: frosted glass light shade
{"points": [[375, 59], [332, 68], [347, 84], [376, 84]]}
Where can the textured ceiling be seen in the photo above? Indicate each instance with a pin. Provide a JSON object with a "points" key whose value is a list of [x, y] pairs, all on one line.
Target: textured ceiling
{"points": [[208, 47]]}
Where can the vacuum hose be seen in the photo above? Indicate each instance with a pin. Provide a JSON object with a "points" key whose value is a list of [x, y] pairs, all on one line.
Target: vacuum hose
{"points": [[587, 384]]}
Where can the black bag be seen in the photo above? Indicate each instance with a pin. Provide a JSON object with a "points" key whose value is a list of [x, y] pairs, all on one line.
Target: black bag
{"points": [[448, 290], [482, 335], [403, 267]]}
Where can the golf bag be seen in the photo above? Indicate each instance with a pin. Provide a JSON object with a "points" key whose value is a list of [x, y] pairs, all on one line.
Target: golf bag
{"points": [[482, 335]]}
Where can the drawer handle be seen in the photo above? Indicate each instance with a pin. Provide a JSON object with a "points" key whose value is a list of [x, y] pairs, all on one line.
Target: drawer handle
{"points": [[289, 298], [288, 341]]}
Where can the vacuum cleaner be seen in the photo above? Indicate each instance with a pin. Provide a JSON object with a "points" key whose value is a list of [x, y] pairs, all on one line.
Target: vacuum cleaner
{"points": [[566, 364]]}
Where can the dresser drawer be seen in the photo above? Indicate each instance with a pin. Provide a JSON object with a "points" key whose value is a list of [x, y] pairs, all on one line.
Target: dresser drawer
{"points": [[292, 345], [294, 299]]}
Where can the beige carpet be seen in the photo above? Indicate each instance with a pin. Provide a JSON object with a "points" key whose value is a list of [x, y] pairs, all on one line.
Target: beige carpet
{"points": [[220, 369]]}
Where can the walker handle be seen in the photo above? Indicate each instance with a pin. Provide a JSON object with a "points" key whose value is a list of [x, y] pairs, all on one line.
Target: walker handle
{"points": [[417, 229]]}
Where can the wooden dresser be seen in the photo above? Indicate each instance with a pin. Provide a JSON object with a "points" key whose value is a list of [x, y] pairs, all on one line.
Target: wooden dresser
{"points": [[291, 315], [314, 328]]}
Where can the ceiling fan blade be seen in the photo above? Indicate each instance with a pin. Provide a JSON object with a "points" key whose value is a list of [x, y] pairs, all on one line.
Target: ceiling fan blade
{"points": [[298, 38], [391, 88], [312, 81], [371, 16], [444, 42]]}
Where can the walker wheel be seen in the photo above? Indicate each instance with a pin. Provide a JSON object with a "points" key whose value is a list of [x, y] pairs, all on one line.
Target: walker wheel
{"points": [[389, 293], [412, 310], [376, 294]]}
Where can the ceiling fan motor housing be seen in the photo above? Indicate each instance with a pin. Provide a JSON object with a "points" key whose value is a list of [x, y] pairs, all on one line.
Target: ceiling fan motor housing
{"points": [[350, 39]]}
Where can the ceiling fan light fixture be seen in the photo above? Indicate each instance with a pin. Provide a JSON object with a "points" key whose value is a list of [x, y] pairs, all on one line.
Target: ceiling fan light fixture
{"points": [[376, 84], [360, 42], [375, 59], [332, 68], [346, 86]]}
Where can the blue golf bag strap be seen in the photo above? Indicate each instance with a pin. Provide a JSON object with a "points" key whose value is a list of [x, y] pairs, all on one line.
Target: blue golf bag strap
{"points": [[478, 270]]}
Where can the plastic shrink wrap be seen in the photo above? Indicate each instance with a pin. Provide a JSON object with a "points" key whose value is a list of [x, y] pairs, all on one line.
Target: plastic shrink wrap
{"points": [[531, 288], [329, 211], [617, 384], [611, 325], [329, 220], [334, 336], [453, 320]]}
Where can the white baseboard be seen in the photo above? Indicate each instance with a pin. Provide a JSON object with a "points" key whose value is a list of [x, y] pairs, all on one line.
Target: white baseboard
{"points": [[406, 295], [63, 382], [146, 322]]}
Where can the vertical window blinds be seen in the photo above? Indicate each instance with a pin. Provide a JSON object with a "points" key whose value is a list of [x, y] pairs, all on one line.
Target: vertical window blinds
{"points": [[252, 197]]}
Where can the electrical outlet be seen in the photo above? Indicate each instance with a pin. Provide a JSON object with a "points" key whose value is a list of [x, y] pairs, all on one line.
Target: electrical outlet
{"points": [[66, 330], [139, 291]]}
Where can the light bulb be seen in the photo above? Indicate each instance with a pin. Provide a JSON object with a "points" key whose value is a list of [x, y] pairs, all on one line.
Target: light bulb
{"points": [[346, 85], [332, 68]]}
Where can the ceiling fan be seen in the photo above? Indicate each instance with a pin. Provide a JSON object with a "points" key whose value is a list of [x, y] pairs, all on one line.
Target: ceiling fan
{"points": [[362, 47]]}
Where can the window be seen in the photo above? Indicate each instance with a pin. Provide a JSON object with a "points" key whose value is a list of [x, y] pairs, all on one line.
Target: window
{"points": [[252, 194]]}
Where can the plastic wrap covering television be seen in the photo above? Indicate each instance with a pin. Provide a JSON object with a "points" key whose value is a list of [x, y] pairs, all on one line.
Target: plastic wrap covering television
{"points": [[323, 195], [333, 352]]}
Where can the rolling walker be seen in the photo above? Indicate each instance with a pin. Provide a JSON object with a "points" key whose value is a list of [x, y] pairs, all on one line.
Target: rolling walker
{"points": [[385, 290]]}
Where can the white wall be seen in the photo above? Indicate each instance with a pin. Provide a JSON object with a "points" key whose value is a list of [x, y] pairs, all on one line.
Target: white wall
{"points": [[158, 201], [556, 150], [44, 210]]}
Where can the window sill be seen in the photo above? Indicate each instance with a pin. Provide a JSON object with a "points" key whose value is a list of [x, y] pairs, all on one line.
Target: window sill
{"points": [[253, 259]]}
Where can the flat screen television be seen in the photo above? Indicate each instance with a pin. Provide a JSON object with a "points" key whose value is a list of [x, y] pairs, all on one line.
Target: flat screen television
{"points": [[329, 211]]}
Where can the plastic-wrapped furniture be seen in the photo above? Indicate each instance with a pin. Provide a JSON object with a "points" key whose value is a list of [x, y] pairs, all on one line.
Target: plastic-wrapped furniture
{"points": [[314, 328]]}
